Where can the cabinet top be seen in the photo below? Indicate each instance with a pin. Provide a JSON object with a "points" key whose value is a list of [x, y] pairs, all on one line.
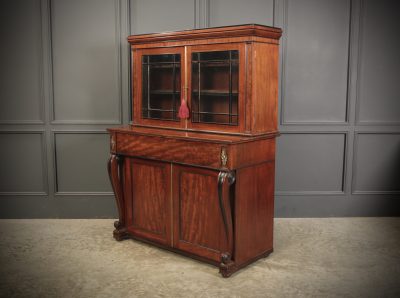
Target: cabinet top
{"points": [[215, 32], [191, 135]]}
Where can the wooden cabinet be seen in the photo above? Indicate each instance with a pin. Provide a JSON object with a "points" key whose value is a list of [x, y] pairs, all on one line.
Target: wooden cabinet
{"points": [[194, 173]]}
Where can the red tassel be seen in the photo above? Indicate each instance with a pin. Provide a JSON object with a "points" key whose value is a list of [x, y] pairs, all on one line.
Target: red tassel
{"points": [[183, 110]]}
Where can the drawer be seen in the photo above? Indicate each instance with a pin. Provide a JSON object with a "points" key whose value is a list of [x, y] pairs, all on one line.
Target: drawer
{"points": [[170, 149]]}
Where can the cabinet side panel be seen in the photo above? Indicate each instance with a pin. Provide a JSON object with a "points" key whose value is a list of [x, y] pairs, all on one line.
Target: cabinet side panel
{"points": [[265, 87], [254, 211], [250, 153], [150, 199]]}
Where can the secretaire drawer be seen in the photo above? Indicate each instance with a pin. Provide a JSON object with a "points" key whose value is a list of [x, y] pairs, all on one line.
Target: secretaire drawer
{"points": [[170, 149]]}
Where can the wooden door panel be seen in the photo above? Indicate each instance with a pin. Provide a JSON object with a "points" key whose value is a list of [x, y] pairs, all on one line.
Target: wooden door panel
{"points": [[149, 207], [198, 223], [163, 83], [216, 81]]}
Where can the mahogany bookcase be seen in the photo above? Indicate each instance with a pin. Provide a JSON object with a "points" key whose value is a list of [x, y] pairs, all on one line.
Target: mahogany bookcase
{"points": [[194, 172]]}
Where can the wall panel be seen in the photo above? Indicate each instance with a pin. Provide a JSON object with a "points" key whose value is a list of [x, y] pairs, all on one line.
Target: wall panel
{"points": [[377, 163], [22, 160], [81, 163], [379, 86], [158, 16], [315, 69], [20, 71], [85, 44], [309, 163], [234, 12]]}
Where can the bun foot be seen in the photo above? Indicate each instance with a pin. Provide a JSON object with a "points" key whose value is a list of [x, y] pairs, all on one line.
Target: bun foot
{"points": [[120, 232], [227, 266]]}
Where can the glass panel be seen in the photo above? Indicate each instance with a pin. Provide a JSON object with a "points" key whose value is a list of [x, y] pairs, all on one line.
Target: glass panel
{"points": [[161, 81], [215, 87]]}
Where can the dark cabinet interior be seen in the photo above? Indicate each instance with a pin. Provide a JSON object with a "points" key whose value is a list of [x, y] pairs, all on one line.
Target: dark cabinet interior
{"points": [[161, 79], [215, 87]]}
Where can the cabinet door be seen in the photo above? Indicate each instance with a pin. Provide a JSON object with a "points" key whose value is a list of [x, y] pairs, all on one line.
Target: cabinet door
{"points": [[158, 86], [148, 199], [198, 224], [216, 86]]}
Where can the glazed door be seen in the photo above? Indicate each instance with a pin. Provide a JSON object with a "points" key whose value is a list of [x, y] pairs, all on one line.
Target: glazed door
{"points": [[216, 86], [198, 224], [148, 199], [158, 86]]}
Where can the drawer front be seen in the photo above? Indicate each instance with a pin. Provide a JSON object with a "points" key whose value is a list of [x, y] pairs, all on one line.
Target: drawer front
{"points": [[171, 150]]}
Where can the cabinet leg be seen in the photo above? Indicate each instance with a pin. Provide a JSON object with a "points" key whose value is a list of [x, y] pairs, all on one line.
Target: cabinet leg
{"points": [[116, 177], [227, 266]]}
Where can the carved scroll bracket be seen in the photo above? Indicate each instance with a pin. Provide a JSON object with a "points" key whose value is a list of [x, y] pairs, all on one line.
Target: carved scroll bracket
{"points": [[115, 172], [227, 265]]}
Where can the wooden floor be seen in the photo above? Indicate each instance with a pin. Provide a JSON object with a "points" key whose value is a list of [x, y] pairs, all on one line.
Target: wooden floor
{"points": [[339, 257]]}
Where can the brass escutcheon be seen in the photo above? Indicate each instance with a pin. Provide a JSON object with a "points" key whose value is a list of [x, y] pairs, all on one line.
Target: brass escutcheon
{"points": [[224, 157]]}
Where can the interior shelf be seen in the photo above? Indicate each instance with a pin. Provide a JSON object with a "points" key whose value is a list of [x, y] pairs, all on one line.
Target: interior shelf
{"points": [[207, 64], [157, 110], [212, 113], [214, 92], [157, 65], [164, 92]]}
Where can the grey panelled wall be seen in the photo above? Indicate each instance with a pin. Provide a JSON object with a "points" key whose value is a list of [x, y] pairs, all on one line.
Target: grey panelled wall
{"points": [[65, 79], [316, 56], [85, 61], [20, 67], [324, 151]]}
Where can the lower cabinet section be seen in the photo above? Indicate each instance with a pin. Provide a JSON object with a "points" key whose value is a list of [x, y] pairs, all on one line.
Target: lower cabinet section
{"points": [[174, 205], [222, 217]]}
